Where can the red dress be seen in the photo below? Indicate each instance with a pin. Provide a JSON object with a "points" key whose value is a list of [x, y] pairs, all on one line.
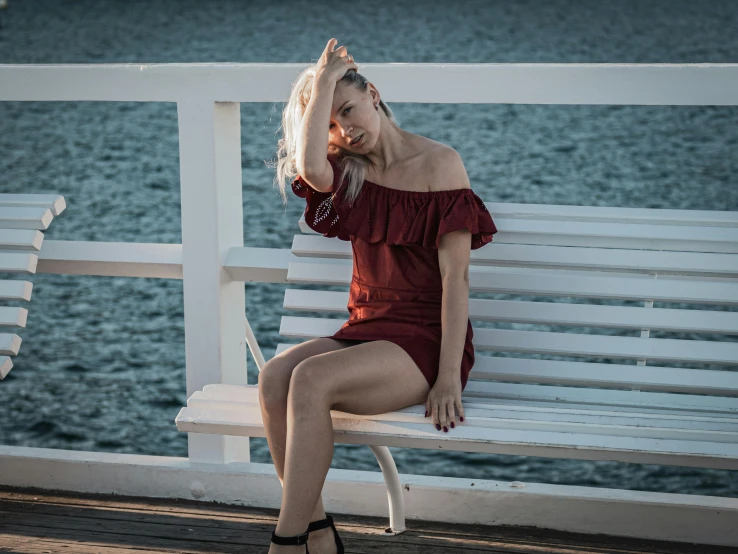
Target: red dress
{"points": [[396, 287]]}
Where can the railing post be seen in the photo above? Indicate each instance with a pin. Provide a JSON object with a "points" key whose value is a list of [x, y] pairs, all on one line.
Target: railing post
{"points": [[212, 223]]}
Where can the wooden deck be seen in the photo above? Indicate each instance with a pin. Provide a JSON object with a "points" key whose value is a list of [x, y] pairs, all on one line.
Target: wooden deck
{"points": [[33, 521]]}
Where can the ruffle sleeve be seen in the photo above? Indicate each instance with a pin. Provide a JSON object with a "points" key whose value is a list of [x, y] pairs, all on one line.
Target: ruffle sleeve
{"points": [[467, 211], [320, 212], [400, 217]]}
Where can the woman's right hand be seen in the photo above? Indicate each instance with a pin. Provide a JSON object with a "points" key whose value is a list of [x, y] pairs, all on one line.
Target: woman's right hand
{"points": [[334, 64]]}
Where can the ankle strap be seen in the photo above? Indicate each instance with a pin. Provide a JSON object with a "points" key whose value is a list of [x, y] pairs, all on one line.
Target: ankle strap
{"points": [[290, 541], [320, 524]]}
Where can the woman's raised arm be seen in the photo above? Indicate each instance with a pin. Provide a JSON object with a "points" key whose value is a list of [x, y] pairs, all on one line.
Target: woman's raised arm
{"points": [[312, 141]]}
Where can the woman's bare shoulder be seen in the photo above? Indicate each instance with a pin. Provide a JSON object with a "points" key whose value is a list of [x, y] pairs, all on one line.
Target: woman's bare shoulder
{"points": [[443, 166]]}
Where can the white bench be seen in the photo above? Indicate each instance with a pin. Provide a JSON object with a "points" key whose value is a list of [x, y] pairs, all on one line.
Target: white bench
{"points": [[614, 393], [23, 217]]}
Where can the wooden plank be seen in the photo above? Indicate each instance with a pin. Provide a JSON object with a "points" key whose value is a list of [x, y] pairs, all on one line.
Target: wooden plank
{"points": [[613, 259], [467, 438], [608, 242], [552, 399], [55, 202], [18, 262], [587, 374], [496, 280], [540, 216], [605, 346], [589, 255], [38, 218], [584, 398], [64, 521], [600, 398], [653, 216], [630, 235], [520, 241], [21, 239], [6, 364], [15, 290], [9, 344], [612, 422], [11, 316], [550, 313], [553, 343]]}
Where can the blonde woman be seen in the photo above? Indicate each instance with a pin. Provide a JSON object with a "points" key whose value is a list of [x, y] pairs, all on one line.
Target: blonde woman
{"points": [[406, 205]]}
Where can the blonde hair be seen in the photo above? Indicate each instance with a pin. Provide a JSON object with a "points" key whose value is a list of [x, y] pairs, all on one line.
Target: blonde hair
{"points": [[352, 165]]}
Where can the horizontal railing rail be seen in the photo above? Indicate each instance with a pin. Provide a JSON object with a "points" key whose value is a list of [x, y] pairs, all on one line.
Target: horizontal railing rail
{"points": [[708, 84]]}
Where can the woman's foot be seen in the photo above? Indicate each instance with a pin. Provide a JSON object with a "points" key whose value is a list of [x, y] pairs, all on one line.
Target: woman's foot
{"points": [[281, 544], [322, 541]]}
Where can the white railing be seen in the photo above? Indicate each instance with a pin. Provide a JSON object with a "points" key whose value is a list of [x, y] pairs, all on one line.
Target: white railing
{"points": [[212, 259]]}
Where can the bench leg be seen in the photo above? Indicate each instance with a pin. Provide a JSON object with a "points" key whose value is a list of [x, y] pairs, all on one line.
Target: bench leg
{"points": [[394, 490]]}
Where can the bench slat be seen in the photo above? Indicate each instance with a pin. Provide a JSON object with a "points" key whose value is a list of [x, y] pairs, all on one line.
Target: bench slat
{"points": [[654, 216], [21, 239], [719, 432], [634, 401], [13, 317], [54, 202], [18, 262], [577, 344], [551, 313], [563, 257], [6, 364], [588, 374], [697, 408], [15, 290], [496, 280], [9, 344], [610, 259], [615, 399], [618, 235], [605, 242], [470, 438], [37, 218], [534, 417], [553, 343]]}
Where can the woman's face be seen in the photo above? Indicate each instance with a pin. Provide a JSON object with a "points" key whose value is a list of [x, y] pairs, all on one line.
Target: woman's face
{"points": [[353, 115]]}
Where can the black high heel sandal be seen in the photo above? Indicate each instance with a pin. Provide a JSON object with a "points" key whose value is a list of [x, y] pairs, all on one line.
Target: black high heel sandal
{"points": [[322, 524], [292, 541]]}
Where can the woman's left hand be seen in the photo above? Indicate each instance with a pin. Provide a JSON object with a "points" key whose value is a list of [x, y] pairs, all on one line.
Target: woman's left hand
{"points": [[442, 399]]}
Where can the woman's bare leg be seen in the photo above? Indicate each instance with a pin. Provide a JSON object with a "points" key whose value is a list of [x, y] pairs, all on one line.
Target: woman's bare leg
{"points": [[371, 378], [274, 382]]}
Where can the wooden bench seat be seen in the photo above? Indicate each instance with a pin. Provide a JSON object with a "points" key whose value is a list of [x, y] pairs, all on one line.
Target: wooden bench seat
{"points": [[23, 217], [567, 364]]}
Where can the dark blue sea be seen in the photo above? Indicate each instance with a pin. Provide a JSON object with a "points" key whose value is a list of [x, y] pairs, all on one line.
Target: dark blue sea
{"points": [[102, 364]]}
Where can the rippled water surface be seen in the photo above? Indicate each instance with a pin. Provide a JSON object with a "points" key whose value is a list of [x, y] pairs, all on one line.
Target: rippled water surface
{"points": [[102, 362]]}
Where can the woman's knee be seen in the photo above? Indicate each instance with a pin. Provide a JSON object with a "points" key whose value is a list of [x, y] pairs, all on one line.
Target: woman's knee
{"points": [[310, 383], [274, 383]]}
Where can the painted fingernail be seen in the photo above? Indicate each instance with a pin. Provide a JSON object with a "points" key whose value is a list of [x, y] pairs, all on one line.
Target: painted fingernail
{"points": [[452, 425], [438, 426], [426, 413], [445, 429], [461, 418]]}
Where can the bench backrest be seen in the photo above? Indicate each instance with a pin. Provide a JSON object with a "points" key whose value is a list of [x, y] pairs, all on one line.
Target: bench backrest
{"points": [[579, 305], [23, 217]]}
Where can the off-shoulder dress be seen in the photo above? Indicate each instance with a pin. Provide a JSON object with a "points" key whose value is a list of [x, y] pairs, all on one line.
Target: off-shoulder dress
{"points": [[396, 287]]}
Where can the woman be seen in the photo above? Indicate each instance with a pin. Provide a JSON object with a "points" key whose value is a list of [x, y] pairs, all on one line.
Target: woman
{"points": [[408, 339]]}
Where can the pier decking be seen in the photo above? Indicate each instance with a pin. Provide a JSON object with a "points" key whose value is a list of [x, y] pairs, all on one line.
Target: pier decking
{"points": [[38, 521]]}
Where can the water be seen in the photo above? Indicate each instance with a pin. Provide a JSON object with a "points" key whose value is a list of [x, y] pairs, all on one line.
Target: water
{"points": [[101, 367]]}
